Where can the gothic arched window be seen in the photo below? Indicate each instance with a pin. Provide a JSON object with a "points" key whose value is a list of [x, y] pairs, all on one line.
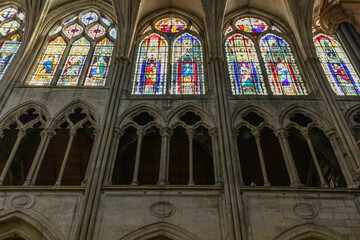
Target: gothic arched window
{"points": [[78, 52], [338, 69], [187, 71], [12, 24], [245, 39]]}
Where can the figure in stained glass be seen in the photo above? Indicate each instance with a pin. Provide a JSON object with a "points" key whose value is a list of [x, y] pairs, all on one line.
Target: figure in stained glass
{"points": [[283, 74], [150, 76], [251, 25], [170, 25], [339, 71], [187, 66], [243, 64]]}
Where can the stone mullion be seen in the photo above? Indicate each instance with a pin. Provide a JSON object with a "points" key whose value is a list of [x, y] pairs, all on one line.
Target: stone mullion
{"points": [[314, 158], [257, 135], [116, 140], [66, 157], [35, 166], [20, 136], [289, 160], [191, 133], [216, 162], [140, 134], [332, 136], [164, 159]]}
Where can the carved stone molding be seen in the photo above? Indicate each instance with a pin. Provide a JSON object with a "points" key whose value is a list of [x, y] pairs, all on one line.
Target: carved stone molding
{"points": [[20, 201], [332, 13], [305, 210], [162, 209]]}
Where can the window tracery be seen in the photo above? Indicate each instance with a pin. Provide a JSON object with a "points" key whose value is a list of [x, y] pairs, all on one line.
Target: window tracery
{"points": [[250, 37], [12, 23], [70, 44], [187, 73], [337, 67]]}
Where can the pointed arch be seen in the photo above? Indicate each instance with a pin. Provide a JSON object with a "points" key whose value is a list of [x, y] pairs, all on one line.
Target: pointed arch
{"points": [[283, 73], [187, 62], [306, 230], [31, 227], [337, 67], [160, 229], [243, 64], [151, 66]]}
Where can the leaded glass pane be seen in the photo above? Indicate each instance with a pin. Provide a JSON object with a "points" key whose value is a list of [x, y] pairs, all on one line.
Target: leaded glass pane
{"points": [[89, 17], [100, 63], [244, 68], [283, 74], [106, 21], [74, 63], [49, 63], [151, 66], [9, 27], [113, 33], [338, 69], [170, 25], [251, 25], [7, 13], [187, 66], [96, 31], [73, 30], [7, 52]]}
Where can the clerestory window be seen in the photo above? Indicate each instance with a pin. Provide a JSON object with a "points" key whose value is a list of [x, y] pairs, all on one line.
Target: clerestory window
{"points": [[77, 52], [169, 43], [12, 26], [260, 60]]}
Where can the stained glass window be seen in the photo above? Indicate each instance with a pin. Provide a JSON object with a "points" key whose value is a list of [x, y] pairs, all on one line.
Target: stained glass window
{"points": [[151, 66], [75, 68], [244, 66], [100, 63], [148, 29], [7, 51], [338, 69], [275, 29], [11, 30], [170, 25], [74, 63], [187, 66], [194, 29], [283, 74], [228, 30], [49, 62], [251, 25]]}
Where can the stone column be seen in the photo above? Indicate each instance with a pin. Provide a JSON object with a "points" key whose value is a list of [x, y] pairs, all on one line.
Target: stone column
{"points": [[282, 135], [20, 136], [140, 134], [117, 136], [235, 133], [66, 157], [257, 134], [191, 133], [332, 136], [305, 133], [164, 158], [44, 138], [48, 135], [217, 166]]}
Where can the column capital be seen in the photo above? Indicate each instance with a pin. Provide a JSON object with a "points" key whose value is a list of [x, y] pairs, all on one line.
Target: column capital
{"points": [[190, 132], [166, 132], [214, 133], [281, 133], [256, 133], [312, 60], [118, 133], [331, 134], [332, 13], [305, 133], [216, 59], [73, 132], [122, 60], [21, 133], [140, 132], [48, 133], [235, 132]]}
